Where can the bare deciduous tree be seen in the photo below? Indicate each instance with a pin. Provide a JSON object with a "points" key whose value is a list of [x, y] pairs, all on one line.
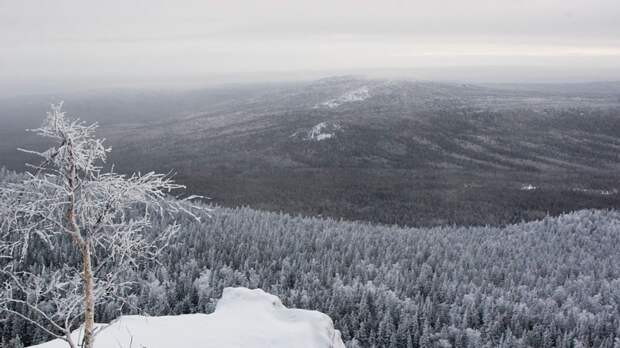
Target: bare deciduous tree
{"points": [[70, 200]]}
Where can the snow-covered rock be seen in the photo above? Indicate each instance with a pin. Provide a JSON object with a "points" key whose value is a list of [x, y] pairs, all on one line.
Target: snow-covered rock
{"points": [[355, 95], [242, 318]]}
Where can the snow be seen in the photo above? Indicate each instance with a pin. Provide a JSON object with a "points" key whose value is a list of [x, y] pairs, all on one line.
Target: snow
{"points": [[597, 192], [324, 136], [323, 131], [528, 187], [356, 95], [242, 318]]}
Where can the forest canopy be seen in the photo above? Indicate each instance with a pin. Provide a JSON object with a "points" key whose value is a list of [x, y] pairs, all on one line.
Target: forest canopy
{"points": [[549, 283]]}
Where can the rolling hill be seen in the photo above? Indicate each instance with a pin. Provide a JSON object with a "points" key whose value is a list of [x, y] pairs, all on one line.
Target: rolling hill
{"points": [[404, 152]]}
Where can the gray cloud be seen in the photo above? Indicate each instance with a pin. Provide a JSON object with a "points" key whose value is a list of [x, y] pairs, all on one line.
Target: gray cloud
{"points": [[124, 39]]}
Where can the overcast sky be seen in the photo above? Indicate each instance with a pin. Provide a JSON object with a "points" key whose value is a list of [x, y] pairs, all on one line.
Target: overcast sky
{"points": [[120, 41]]}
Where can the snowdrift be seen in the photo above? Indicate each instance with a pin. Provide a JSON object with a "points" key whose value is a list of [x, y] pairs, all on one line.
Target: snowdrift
{"points": [[242, 318]]}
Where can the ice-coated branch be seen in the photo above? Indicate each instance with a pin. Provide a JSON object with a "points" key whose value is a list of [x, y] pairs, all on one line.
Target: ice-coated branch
{"points": [[98, 223]]}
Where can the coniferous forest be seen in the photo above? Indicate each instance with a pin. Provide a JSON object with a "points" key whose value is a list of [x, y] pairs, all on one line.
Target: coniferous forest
{"points": [[310, 174], [549, 283]]}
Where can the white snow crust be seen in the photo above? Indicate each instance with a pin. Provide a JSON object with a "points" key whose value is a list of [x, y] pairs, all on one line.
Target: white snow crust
{"points": [[242, 318]]}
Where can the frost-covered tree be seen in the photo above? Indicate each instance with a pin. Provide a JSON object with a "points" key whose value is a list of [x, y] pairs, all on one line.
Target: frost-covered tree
{"points": [[92, 220]]}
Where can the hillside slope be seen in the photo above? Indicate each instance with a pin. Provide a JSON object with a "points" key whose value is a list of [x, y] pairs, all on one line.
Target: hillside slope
{"points": [[243, 318], [408, 152]]}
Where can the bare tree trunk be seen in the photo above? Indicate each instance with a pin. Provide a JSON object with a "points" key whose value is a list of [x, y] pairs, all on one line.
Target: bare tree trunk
{"points": [[89, 302], [84, 244]]}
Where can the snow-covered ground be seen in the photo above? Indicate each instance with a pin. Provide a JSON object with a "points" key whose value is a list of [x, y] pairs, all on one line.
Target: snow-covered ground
{"points": [[528, 187], [318, 132], [355, 95], [597, 192], [243, 319], [323, 131]]}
